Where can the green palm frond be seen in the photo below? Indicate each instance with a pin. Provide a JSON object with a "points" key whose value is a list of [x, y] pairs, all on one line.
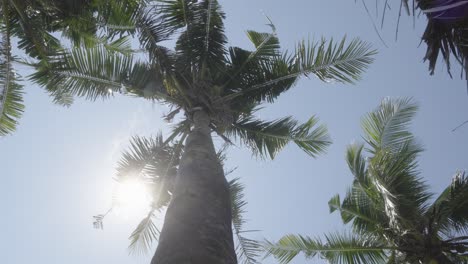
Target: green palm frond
{"points": [[11, 93], [450, 210], [329, 61], [360, 209], [248, 250], [337, 248], [29, 25], [99, 72], [144, 235], [118, 17], [266, 44], [243, 62], [269, 137], [153, 27], [396, 179], [201, 47], [386, 127]]}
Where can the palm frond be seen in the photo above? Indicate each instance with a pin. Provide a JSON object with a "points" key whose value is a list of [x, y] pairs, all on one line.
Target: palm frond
{"points": [[387, 126], [29, 25], [99, 72], [450, 210], [201, 47], [360, 209], [154, 26], [11, 92], [329, 61], [269, 137], [151, 161], [337, 248], [248, 250], [144, 235]]}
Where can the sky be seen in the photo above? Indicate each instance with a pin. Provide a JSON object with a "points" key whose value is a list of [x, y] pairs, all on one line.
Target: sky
{"points": [[57, 169]]}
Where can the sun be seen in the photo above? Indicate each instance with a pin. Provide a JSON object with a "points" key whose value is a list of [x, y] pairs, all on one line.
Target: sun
{"points": [[132, 197]]}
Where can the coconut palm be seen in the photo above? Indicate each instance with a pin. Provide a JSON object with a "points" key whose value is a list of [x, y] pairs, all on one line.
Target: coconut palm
{"points": [[153, 163], [32, 26], [213, 88], [393, 218]]}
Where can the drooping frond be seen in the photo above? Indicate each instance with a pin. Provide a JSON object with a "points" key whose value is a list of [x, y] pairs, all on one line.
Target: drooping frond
{"points": [[269, 137], [99, 72], [337, 248], [445, 35], [248, 250], [11, 93], [329, 61], [387, 126], [144, 235], [153, 162]]}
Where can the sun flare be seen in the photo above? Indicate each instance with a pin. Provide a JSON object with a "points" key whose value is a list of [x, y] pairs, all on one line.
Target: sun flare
{"points": [[132, 197]]}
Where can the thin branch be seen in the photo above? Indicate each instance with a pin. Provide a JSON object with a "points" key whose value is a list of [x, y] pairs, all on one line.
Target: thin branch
{"points": [[462, 124]]}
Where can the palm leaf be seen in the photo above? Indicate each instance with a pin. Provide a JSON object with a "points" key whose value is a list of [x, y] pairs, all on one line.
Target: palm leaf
{"points": [[386, 127], [29, 25], [269, 137], [11, 93], [144, 235], [201, 47], [248, 250], [329, 61], [153, 162], [337, 248], [450, 210], [98, 72]]}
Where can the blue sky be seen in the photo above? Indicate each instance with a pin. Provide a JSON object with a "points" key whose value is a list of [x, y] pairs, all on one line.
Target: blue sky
{"points": [[57, 168]]}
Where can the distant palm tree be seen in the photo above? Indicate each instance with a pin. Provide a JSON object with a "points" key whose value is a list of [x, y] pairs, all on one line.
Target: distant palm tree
{"points": [[393, 218], [31, 25], [153, 163], [219, 90]]}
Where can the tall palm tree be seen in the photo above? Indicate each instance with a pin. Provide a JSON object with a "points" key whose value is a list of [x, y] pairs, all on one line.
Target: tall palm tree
{"points": [[32, 26], [152, 163], [218, 89], [393, 218]]}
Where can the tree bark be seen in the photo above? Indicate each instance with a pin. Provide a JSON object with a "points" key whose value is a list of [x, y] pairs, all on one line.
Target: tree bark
{"points": [[197, 227]]}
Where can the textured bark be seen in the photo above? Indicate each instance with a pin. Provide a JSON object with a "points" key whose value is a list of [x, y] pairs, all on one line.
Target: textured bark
{"points": [[197, 228]]}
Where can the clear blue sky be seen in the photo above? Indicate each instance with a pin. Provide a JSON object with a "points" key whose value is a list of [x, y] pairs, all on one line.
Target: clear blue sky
{"points": [[57, 169]]}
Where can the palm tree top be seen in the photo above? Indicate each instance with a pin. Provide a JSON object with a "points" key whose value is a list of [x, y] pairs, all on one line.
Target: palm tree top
{"points": [[392, 214], [203, 73]]}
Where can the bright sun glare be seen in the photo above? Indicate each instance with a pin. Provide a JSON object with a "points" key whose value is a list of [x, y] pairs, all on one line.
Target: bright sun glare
{"points": [[132, 197]]}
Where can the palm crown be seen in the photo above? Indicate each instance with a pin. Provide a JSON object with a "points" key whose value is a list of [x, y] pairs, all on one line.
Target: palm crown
{"points": [[393, 218], [203, 73]]}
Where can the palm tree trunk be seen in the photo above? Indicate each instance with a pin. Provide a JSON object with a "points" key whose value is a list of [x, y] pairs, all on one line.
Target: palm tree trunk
{"points": [[197, 228]]}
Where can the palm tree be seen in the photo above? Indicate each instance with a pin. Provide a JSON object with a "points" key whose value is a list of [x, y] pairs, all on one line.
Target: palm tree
{"points": [[393, 218], [218, 89], [31, 25], [153, 163]]}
